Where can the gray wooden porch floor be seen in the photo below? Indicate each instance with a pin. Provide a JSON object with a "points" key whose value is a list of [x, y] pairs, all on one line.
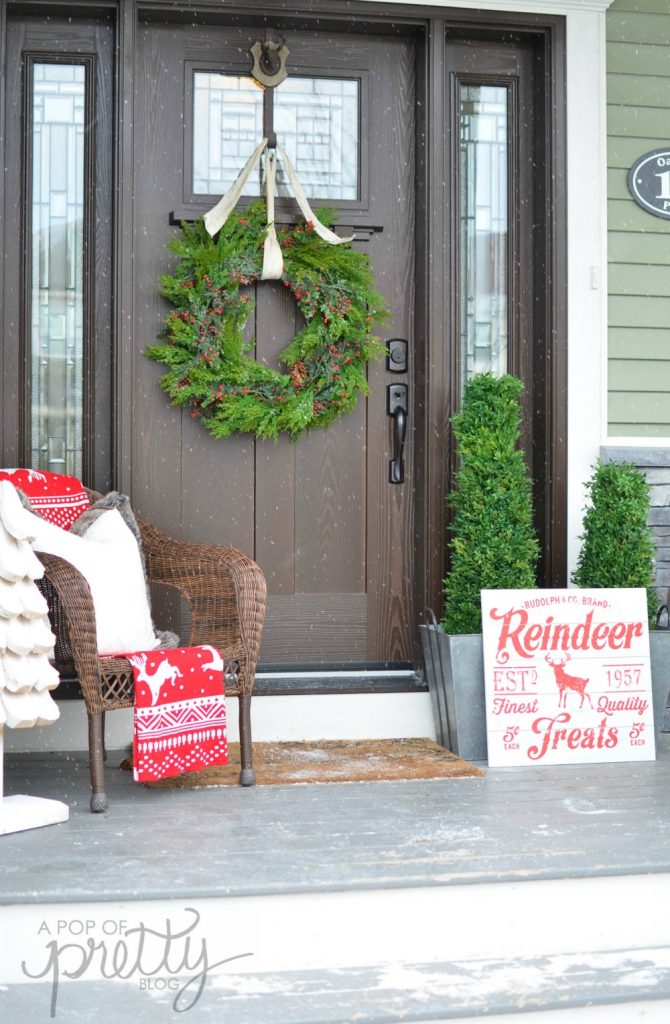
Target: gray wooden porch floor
{"points": [[530, 823], [582, 825]]}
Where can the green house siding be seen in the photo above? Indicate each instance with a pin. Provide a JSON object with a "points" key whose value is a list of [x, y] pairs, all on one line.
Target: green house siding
{"points": [[638, 120]]}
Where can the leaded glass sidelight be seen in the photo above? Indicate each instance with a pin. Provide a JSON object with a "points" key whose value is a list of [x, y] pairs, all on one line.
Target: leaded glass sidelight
{"points": [[57, 255], [316, 121], [483, 229]]}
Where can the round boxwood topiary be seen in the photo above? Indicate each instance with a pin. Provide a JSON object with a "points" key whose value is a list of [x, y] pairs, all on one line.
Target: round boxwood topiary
{"points": [[617, 549], [493, 545]]}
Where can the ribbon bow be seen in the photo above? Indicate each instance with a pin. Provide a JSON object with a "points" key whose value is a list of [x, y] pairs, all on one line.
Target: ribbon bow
{"points": [[273, 261]]}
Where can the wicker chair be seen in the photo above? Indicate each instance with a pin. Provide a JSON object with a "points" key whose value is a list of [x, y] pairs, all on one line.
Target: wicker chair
{"points": [[226, 594]]}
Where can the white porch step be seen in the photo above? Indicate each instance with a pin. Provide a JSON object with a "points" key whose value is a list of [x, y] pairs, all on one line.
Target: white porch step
{"points": [[295, 716], [459, 991], [431, 953], [620, 984], [614, 987], [522, 897]]}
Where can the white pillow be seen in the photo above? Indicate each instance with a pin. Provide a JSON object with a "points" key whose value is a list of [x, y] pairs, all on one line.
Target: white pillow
{"points": [[108, 558]]}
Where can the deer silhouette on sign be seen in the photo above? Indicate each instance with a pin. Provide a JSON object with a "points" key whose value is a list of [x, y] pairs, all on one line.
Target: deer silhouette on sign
{"points": [[163, 673], [565, 682]]}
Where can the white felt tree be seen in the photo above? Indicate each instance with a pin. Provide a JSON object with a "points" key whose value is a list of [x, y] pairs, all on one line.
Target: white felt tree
{"points": [[26, 641]]}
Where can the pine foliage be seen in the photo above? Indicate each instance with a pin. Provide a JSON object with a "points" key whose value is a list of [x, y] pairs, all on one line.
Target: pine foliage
{"points": [[210, 367], [493, 543], [617, 549]]}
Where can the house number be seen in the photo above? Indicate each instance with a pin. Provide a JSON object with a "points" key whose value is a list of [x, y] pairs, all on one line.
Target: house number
{"points": [[649, 182], [665, 185]]}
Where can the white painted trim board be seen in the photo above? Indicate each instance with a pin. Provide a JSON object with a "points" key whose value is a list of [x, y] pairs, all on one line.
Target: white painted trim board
{"points": [[288, 718]]}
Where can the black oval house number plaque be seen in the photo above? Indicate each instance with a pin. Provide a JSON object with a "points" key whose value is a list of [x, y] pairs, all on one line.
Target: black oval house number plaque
{"points": [[649, 182]]}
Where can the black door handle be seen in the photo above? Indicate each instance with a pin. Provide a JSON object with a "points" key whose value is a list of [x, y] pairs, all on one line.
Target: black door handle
{"points": [[397, 408]]}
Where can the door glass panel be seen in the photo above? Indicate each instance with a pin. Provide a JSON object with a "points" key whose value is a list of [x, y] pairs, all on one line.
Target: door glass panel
{"points": [[316, 121], [227, 127], [57, 298], [483, 224]]}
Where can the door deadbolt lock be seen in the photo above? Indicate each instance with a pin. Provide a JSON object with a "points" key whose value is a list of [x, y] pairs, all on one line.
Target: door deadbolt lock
{"points": [[396, 360]]}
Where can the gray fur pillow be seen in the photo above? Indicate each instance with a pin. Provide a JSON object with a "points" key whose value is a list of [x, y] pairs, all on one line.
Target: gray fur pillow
{"points": [[27, 504]]}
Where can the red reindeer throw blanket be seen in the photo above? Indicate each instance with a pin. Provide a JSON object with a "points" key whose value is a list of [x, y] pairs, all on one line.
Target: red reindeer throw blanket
{"points": [[180, 712]]}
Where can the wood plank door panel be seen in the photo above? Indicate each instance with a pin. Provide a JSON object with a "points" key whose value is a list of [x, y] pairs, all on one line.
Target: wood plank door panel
{"points": [[333, 536]]}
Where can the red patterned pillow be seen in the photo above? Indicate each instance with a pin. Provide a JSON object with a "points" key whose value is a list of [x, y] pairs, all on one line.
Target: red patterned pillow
{"points": [[58, 499]]}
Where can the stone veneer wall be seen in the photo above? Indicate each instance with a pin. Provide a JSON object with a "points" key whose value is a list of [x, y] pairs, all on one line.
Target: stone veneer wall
{"points": [[655, 464]]}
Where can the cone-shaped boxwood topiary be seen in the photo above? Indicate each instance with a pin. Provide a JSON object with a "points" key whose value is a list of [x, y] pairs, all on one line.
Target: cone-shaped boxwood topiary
{"points": [[617, 548], [493, 544]]}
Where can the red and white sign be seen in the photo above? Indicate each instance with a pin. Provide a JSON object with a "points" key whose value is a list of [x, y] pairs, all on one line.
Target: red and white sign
{"points": [[567, 676]]}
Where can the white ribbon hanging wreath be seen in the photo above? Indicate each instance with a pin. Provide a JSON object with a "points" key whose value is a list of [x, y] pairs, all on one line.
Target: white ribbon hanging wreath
{"points": [[273, 261]]}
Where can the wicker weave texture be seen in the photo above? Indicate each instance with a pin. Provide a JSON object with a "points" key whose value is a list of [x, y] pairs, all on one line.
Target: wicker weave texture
{"points": [[226, 594]]}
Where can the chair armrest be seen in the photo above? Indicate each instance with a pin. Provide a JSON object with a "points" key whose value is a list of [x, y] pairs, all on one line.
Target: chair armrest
{"points": [[76, 606], [225, 589]]}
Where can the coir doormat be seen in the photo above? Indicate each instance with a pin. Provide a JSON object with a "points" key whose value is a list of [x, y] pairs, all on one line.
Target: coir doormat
{"points": [[280, 764]]}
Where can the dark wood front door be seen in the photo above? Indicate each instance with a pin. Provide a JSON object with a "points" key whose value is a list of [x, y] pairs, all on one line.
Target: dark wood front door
{"points": [[116, 130], [332, 534]]}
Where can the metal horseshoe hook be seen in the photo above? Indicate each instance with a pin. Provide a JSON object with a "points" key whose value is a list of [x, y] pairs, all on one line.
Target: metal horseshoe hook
{"points": [[269, 62]]}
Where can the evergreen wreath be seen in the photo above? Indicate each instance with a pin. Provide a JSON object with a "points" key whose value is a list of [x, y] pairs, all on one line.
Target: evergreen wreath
{"points": [[204, 349]]}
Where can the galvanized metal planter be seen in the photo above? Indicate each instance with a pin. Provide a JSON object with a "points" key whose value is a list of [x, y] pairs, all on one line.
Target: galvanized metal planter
{"points": [[659, 648], [455, 675]]}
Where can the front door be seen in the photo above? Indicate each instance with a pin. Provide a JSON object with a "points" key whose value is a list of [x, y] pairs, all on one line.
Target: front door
{"points": [[333, 535], [462, 134]]}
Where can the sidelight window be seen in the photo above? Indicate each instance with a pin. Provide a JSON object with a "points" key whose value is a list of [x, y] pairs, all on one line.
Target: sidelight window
{"points": [[56, 291], [483, 229]]}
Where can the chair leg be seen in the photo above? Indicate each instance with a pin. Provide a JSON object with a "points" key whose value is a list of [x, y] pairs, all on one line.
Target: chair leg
{"points": [[96, 758], [247, 774]]}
